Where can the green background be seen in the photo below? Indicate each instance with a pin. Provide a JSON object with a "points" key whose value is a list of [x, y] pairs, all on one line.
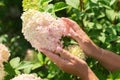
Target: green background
{"points": [[100, 19]]}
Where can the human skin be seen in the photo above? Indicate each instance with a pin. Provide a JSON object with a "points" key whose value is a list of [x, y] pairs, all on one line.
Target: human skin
{"points": [[70, 64], [76, 66], [107, 58]]}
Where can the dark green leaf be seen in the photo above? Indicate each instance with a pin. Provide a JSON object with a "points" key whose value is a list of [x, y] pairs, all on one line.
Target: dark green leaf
{"points": [[117, 27], [8, 68], [60, 6], [116, 74]]}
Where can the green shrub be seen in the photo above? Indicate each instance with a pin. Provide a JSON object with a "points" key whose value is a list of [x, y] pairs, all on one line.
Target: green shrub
{"points": [[100, 19]]}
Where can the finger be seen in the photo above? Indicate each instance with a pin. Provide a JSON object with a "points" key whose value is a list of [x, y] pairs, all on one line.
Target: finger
{"points": [[65, 54], [72, 24], [76, 28], [74, 35], [67, 27], [54, 57]]}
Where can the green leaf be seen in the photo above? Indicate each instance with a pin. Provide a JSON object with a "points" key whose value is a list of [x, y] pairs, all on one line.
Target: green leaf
{"points": [[48, 8], [44, 2], [2, 3], [60, 6], [102, 38], [73, 3], [17, 72], [46, 59], [15, 62], [112, 2], [118, 15], [110, 14], [105, 3], [24, 65], [73, 42], [116, 74], [8, 68], [111, 30], [117, 27], [111, 37], [98, 26], [36, 65], [3, 38], [27, 70], [40, 58]]}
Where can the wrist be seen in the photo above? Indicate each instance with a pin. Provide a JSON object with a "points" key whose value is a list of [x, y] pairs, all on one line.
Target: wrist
{"points": [[88, 74]]}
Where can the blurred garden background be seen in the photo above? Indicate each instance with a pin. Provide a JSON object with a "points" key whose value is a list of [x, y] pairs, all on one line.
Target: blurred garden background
{"points": [[100, 19]]}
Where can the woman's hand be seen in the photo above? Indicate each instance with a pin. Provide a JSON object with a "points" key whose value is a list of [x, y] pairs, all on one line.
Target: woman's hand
{"points": [[75, 31], [81, 37], [106, 58], [70, 63]]}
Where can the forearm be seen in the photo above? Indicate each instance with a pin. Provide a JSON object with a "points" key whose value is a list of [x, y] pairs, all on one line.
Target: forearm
{"points": [[88, 74], [108, 59]]}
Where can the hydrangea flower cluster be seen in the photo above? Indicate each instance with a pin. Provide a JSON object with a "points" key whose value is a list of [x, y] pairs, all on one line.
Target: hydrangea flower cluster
{"points": [[77, 51], [4, 54], [43, 30], [26, 77]]}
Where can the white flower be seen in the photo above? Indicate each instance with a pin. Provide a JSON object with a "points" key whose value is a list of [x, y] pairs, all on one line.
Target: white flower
{"points": [[77, 51], [42, 30], [2, 73], [4, 54], [26, 77]]}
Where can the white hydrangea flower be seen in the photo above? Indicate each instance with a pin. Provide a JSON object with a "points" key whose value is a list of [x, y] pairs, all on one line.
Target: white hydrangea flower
{"points": [[26, 77], [77, 51], [4, 54], [2, 73], [42, 30]]}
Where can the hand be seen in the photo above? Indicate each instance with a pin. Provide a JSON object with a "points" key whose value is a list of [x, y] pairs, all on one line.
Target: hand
{"points": [[71, 64], [81, 37], [107, 58], [75, 31]]}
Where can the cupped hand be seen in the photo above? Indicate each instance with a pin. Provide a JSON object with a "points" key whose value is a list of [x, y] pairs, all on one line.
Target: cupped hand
{"points": [[70, 63], [74, 30], [80, 36]]}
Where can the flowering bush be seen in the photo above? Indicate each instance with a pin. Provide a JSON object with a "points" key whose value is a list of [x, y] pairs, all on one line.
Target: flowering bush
{"points": [[42, 30], [100, 19], [4, 54]]}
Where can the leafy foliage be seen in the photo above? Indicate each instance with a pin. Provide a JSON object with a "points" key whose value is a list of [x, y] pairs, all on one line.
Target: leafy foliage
{"points": [[100, 19]]}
